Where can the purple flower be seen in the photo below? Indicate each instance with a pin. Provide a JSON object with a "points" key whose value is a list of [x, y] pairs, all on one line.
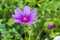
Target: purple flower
{"points": [[51, 26], [27, 17]]}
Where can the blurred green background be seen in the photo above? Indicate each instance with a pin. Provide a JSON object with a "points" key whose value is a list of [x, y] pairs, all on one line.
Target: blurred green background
{"points": [[48, 13]]}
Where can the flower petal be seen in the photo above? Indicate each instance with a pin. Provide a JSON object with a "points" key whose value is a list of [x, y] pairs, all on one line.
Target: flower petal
{"points": [[15, 16], [18, 11], [26, 10], [33, 13], [29, 23], [32, 20], [17, 19]]}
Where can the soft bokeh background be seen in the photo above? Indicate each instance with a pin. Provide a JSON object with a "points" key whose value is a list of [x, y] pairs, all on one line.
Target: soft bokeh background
{"points": [[48, 13]]}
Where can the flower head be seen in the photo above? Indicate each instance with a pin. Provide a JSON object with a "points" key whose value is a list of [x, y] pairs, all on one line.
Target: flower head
{"points": [[57, 38], [27, 17], [51, 26]]}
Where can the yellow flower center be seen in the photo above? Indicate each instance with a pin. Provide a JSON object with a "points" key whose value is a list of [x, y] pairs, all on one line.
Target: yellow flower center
{"points": [[24, 19]]}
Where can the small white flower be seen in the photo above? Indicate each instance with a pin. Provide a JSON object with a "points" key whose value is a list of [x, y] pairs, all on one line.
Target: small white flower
{"points": [[57, 38]]}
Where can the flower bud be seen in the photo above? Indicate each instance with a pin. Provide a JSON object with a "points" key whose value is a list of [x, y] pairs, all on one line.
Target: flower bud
{"points": [[50, 26]]}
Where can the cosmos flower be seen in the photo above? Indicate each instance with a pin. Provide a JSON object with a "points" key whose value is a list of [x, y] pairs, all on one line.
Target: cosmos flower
{"points": [[57, 38], [51, 26], [27, 17]]}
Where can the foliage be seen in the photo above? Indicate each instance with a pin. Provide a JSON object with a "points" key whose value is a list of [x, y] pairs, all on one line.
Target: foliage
{"points": [[48, 13]]}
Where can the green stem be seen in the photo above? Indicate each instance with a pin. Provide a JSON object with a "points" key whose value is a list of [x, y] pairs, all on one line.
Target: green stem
{"points": [[39, 34], [25, 36], [29, 35], [25, 32]]}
